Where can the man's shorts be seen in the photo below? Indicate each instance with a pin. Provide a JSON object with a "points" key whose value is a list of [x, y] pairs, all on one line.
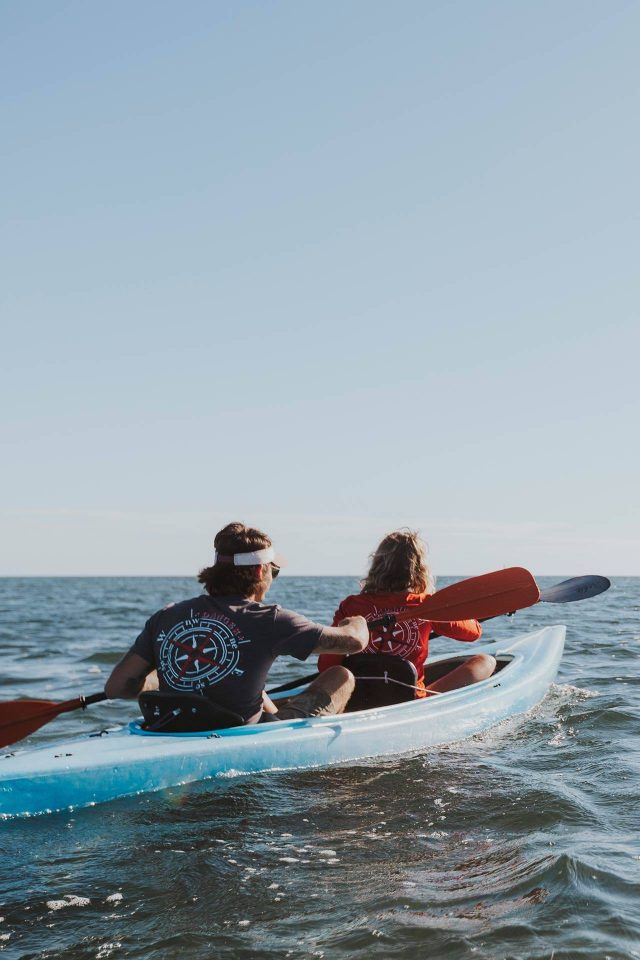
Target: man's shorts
{"points": [[311, 703]]}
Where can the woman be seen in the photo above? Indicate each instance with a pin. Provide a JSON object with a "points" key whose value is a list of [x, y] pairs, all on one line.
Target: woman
{"points": [[399, 578]]}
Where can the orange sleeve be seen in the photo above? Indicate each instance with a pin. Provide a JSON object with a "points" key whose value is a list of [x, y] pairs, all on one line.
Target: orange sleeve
{"points": [[468, 630]]}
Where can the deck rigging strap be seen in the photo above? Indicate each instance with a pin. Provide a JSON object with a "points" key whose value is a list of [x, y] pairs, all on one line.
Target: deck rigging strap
{"points": [[387, 679]]}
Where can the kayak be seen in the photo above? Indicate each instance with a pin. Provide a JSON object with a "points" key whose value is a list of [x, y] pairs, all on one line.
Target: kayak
{"points": [[129, 760]]}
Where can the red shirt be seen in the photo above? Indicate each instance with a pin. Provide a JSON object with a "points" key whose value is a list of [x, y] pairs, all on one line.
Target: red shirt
{"points": [[408, 639]]}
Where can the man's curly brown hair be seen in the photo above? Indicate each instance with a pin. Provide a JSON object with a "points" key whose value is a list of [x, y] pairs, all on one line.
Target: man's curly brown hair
{"points": [[225, 579]]}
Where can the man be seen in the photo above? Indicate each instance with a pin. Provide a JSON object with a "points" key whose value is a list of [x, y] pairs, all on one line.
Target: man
{"points": [[222, 644]]}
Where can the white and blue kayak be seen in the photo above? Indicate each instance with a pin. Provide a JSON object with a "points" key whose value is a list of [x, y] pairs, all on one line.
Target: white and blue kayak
{"points": [[129, 760]]}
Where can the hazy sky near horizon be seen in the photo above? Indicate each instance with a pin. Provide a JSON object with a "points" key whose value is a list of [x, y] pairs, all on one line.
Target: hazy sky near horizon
{"points": [[327, 268]]}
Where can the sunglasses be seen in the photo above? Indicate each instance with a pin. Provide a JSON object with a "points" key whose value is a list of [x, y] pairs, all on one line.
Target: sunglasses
{"points": [[275, 570]]}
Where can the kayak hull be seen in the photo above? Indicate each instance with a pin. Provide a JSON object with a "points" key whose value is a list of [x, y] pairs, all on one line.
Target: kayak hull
{"points": [[127, 760]]}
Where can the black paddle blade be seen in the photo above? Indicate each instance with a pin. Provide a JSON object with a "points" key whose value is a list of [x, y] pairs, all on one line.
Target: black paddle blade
{"points": [[577, 588]]}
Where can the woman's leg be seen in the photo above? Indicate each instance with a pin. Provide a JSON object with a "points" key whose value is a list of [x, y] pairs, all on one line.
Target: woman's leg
{"points": [[476, 668]]}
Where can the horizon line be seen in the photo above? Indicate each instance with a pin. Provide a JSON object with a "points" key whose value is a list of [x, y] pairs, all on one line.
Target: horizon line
{"points": [[188, 576]]}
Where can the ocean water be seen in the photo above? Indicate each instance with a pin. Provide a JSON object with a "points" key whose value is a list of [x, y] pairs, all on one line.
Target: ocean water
{"points": [[521, 843]]}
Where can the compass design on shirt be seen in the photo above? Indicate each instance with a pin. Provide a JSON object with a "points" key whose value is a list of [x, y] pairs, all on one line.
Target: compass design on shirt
{"points": [[401, 639], [200, 651]]}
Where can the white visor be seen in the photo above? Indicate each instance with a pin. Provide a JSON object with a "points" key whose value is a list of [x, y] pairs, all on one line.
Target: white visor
{"points": [[252, 559]]}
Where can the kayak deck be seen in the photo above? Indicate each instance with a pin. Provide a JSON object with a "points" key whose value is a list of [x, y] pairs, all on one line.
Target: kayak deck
{"points": [[129, 760]]}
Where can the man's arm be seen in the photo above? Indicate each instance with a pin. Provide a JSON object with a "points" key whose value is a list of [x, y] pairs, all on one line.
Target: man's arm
{"points": [[128, 677], [350, 636]]}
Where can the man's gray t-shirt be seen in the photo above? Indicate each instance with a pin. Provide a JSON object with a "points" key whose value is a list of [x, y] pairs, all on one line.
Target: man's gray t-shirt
{"points": [[223, 647]]}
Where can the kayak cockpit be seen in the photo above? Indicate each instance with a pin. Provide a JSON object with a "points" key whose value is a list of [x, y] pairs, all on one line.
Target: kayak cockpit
{"points": [[433, 671]]}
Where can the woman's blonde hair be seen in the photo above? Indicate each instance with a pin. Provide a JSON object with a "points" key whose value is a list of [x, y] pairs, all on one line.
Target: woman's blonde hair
{"points": [[399, 564]]}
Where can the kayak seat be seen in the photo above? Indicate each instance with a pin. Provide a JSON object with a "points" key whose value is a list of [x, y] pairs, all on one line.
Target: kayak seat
{"points": [[184, 713], [381, 679]]}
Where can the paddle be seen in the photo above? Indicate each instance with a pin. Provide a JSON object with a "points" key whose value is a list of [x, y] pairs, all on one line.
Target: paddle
{"points": [[569, 591], [577, 588], [19, 718], [479, 598]]}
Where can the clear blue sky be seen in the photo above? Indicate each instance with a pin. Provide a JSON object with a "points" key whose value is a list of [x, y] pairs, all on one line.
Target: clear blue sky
{"points": [[328, 268]]}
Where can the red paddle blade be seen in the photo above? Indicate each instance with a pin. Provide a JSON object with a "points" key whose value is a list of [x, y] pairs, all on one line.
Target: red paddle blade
{"points": [[479, 598], [19, 718]]}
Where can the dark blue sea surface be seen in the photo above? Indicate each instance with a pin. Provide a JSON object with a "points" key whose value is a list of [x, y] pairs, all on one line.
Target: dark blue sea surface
{"points": [[521, 843]]}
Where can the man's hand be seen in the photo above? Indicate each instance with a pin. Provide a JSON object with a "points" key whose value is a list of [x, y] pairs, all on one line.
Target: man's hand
{"points": [[151, 682]]}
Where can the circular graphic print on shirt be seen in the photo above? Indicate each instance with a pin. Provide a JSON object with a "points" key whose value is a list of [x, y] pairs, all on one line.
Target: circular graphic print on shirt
{"points": [[402, 639], [200, 652]]}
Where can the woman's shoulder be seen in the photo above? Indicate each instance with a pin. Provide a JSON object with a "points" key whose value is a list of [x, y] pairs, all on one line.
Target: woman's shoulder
{"points": [[364, 601], [349, 601], [397, 596]]}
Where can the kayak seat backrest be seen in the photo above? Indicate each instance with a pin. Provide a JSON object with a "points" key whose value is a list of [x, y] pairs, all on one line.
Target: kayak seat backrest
{"points": [[184, 713], [381, 679]]}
